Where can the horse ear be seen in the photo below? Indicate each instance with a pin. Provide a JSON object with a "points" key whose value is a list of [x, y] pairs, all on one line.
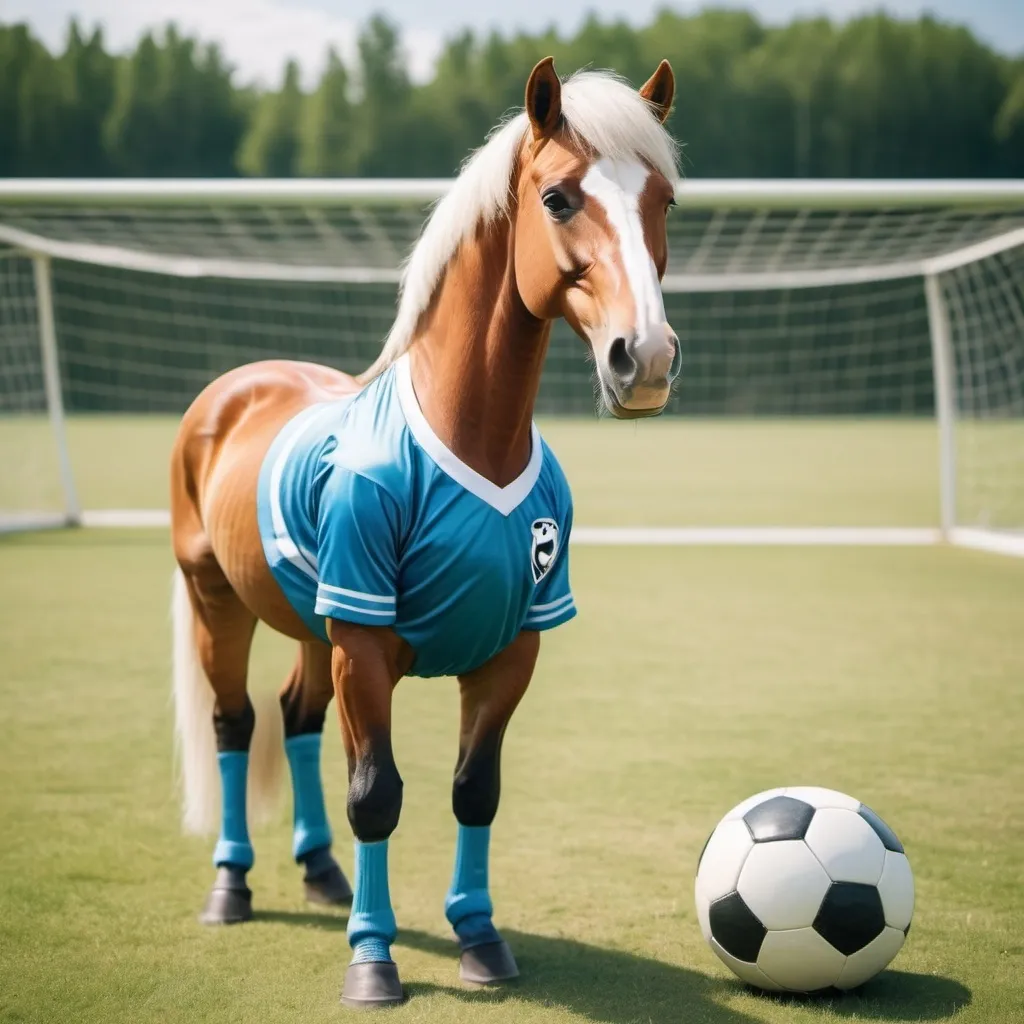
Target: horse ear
{"points": [[659, 90], [544, 98]]}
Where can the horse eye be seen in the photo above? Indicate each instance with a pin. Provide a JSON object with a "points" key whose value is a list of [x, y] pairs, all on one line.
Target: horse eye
{"points": [[670, 204], [557, 204]]}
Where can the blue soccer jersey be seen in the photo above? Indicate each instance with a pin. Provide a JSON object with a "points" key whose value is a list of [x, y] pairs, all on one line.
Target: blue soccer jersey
{"points": [[367, 517]]}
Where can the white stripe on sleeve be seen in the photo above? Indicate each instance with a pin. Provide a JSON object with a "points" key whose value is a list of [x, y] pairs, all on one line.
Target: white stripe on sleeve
{"points": [[563, 610], [390, 613], [358, 594], [551, 604]]}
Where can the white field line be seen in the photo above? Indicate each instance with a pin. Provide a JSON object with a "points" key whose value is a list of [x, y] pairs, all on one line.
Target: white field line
{"points": [[988, 540], [127, 517], [664, 536], [633, 536], [20, 522], [755, 535]]}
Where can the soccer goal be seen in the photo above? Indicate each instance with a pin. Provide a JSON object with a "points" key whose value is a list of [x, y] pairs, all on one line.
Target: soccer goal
{"points": [[854, 350]]}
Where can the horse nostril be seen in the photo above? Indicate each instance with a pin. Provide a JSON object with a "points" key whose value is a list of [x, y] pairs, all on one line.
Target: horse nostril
{"points": [[622, 363]]}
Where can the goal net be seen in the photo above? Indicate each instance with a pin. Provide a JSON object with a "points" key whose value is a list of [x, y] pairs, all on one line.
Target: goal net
{"points": [[853, 351]]}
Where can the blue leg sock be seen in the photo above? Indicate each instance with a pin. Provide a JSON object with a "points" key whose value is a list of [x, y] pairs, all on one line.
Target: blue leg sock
{"points": [[468, 906], [371, 924], [233, 846], [312, 832]]}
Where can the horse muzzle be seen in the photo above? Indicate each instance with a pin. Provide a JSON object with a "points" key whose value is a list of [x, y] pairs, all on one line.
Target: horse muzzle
{"points": [[637, 372]]}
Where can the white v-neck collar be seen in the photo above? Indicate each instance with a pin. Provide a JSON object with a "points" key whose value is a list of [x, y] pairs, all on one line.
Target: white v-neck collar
{"points": [[504, 499]]}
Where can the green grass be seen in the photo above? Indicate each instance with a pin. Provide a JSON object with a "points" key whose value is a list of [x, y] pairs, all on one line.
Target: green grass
{"points": [[691, 679]]}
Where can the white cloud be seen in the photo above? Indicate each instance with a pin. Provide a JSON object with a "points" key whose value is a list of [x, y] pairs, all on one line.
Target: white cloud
{"points": [[257, 36]]}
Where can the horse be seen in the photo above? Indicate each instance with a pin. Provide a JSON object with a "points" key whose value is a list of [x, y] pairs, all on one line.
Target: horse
{"points": [[412, 520]]}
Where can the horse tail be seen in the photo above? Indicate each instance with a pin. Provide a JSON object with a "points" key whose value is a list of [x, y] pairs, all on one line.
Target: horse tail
{"points": [[266, 760], [196, 742]]}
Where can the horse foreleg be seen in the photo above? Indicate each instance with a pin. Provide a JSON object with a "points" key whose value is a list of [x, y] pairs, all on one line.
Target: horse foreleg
{"points": [[304, 701], [365, 669], [489, 695]]}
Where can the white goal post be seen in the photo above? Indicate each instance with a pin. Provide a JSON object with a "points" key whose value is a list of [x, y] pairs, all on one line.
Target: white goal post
{"points": [[898, 305]]}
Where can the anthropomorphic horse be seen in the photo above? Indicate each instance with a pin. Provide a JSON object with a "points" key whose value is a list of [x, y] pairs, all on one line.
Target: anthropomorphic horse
{"points": [[413, 521]]}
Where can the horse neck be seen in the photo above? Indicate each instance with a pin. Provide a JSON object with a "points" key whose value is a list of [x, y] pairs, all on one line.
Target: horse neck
{"points": [[478, 356]]}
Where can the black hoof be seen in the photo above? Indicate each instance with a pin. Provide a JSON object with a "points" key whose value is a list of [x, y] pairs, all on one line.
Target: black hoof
{"points": [[488, 964], [328, 885], [372, 985], [230, 899]]}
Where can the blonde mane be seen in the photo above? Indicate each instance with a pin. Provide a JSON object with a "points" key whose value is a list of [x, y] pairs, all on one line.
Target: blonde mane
{"points": [[600, 109]]}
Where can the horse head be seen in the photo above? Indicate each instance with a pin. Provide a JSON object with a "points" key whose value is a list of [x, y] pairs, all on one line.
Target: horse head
{"points": [[591, 239]]}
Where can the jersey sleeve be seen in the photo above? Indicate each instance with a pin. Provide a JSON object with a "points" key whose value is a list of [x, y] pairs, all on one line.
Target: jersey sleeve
{"points": [[357, 551], [552, 602]]}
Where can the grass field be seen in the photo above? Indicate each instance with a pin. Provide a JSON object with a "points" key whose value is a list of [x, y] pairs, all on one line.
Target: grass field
{"points": [[691, 679]]}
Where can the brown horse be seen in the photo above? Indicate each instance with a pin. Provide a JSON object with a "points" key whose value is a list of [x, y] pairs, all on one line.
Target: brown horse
{"points": [[562, 213]]}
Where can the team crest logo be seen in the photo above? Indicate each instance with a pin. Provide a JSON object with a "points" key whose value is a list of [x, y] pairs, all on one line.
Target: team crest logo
{"points": [[545, 547]]}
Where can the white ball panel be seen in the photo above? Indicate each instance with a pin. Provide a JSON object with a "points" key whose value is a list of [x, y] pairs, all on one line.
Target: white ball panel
{"points": [[750, 973], [800, 960], [847, 846], [741, 808], [723, 858], [783, 884], [896, 887], [867, 962], [821, 798], [703, 910]]}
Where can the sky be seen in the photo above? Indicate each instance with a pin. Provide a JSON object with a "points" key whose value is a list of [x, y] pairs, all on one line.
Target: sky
{"points": [[258, 36]]}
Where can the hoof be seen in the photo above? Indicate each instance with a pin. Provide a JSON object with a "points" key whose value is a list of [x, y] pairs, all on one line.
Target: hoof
{"points": [[329, 887], [488, 964], [372, 985], [230, 899]]}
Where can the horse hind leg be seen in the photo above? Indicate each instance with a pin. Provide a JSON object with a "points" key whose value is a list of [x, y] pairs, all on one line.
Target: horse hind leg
{"points": [[304, 699], [215, 721]]}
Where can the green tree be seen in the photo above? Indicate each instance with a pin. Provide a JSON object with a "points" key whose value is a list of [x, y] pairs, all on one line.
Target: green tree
{"points": [[380, 145], [41, 100], [875, 97], [20, 56], [1009, 125], [327, 124], [271, 144], [175, 111], [910, 99], [714, 114], [783, 80], [88, 73]]}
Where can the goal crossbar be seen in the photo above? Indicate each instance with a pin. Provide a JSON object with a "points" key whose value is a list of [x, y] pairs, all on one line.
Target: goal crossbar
{"points": [[184, 266], [739, 193], [256, 270]]}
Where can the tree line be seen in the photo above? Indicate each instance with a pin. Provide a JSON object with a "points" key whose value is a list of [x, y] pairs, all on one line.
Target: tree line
{"points": [[874, 97]]}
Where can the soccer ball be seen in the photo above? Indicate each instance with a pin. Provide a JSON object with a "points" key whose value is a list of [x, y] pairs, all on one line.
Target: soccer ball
{"points": [[802, 889]]}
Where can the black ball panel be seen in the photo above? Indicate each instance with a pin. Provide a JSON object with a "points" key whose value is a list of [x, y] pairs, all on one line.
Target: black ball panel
{"points": [[781, 817], [735, 928], [886, 834], [850, 916]]}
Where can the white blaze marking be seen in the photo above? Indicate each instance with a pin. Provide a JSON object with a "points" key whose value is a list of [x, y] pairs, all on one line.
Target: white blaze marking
{"points": [[617, 186]]}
